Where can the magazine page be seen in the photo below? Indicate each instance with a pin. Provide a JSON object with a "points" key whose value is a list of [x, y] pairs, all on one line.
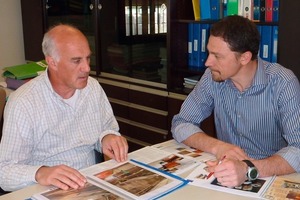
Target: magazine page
{"points": [[165, 161], [172, 146], [283, 188], [160, 160], [88, 192], [136, 181], [200, 177]]}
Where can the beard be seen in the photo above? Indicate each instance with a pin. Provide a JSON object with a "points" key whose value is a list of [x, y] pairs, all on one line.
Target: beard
{"points": [[216, 76]]}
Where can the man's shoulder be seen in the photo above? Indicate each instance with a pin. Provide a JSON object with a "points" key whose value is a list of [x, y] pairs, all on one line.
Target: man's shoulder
{"points": [[275, 70], [93, 83], [92, 80], [28, 89]]}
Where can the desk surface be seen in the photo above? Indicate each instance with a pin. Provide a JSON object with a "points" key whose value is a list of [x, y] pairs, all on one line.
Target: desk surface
{"points": [[188, 192]]}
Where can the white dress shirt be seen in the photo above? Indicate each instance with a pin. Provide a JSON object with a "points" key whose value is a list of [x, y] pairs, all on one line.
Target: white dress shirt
{"points": [[40, 128]]}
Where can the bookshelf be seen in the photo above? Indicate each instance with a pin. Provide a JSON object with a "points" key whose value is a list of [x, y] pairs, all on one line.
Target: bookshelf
{"points": [[181, 14], [143, 104]]}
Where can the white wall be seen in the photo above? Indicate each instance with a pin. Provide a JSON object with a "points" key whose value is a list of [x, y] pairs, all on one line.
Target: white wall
{"points": [[11, 33]]}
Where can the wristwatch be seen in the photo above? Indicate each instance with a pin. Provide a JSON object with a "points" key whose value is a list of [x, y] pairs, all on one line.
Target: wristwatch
{"points": [[252, 173]]}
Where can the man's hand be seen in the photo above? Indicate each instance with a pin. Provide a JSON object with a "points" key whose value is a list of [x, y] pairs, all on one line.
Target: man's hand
{"points": [[230, 172], [230, 151], [61, 176], [217, 147], [115, 147]]}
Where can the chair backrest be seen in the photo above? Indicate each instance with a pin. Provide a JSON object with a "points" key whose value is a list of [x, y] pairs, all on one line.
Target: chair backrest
{"points": [[2, 105]]}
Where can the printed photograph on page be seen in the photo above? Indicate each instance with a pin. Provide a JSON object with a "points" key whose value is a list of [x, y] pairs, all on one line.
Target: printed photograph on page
{"points": [[88, 192]]}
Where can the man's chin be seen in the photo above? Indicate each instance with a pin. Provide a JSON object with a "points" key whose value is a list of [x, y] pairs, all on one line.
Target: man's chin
{"points": [[81, 85], [216, 76]]}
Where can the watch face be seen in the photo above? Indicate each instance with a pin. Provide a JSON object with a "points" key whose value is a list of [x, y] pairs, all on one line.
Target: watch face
{"points": [[253, 173]]}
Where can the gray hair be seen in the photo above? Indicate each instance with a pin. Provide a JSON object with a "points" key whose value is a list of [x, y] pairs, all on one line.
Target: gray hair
{"points": [[49, 47]]}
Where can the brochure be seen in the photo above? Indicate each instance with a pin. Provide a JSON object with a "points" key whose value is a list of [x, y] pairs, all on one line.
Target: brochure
{"points": [[150, 175], [199, 177], [134, 180], [283, 188], [172, 146], [88, 192]]}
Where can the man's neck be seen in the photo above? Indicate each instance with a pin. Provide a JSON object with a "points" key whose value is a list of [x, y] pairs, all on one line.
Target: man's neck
{"points": [[243, 80]]}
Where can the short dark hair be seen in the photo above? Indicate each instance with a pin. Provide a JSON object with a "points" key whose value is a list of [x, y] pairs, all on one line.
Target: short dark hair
{"points": [[239, 32]]}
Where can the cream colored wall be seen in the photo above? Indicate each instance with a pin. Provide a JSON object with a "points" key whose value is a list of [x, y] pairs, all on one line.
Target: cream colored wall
{"points": [[11, 34]]}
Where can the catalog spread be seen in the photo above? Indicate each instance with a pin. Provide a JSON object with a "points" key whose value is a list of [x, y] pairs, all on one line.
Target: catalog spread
{"points": [[152, 174], [89, 192], [283, 188], [200, 177], [154, 171]]}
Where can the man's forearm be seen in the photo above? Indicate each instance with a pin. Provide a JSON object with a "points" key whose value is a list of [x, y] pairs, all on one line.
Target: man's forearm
{"points": [[274, 165], [203, 142]]}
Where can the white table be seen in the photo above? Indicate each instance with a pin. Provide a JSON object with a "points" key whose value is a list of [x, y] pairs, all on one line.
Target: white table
{"points": [[188, 192]]}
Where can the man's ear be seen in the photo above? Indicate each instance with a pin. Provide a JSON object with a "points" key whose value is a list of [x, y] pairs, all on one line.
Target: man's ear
{"points": [[246, 57], [51, 62]]}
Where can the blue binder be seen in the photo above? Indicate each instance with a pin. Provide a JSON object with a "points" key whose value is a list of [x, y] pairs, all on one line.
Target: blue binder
{"points": [[204, 39], [262, 6], [190, 44], [205, 9], [275, 43], [196, 46], [256, 10], [259, 30], [266, 43], [215, 9], [224, 8], [275, 10]]}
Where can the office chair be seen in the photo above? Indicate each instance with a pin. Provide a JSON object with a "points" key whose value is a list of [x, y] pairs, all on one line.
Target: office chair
{"points": [[2, 105]]}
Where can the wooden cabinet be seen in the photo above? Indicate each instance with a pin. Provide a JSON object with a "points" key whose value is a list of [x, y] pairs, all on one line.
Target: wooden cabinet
{"points": [[34, 26], [289, 31], [181, 14], [141, 110]]}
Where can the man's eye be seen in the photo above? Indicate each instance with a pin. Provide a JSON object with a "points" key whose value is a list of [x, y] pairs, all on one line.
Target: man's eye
{"points": [[77, 61]]}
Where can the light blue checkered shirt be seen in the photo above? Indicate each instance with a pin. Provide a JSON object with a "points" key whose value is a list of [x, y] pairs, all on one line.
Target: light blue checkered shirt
{"points": [[41, 129], [263, 120]]}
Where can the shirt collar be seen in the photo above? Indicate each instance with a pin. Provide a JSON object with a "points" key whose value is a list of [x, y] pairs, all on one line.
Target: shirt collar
{"points": [[260, 77], [49, 85], [82, 92]]}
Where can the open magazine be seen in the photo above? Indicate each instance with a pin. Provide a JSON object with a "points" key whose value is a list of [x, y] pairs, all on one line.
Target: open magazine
{"points": [[172, 146], [88, 192], [135, 180], [149, 174], [154, 171], [200, 177], [283, 188]]}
